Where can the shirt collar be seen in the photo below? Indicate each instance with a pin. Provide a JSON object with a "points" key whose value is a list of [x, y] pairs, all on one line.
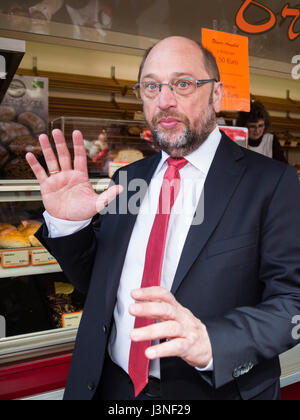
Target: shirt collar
{"points": [[202, 157]]}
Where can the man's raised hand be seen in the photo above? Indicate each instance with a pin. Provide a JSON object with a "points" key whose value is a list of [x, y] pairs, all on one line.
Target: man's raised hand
{"points": [[67, 192]]}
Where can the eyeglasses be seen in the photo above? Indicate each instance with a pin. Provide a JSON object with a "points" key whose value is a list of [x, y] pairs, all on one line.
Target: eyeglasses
{"points": [[182, 87]]}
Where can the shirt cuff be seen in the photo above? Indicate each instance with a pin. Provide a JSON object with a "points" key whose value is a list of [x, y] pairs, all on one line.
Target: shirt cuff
{"points": [[208, 368], [59, 227]]}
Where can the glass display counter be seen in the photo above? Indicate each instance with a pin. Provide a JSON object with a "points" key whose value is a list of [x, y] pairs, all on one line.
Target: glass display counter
{"points": [[39, 308]]}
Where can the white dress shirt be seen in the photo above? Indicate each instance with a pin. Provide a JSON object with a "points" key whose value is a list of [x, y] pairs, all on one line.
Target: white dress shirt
{"points": [[193, 177]]}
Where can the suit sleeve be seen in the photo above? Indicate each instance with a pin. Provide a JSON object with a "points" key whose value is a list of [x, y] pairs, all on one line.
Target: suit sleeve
{"points": [[247, 336], [75, 253]]}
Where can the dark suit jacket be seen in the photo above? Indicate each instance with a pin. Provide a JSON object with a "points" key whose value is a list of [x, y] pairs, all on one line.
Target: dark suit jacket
{"points": [[239, 273]]}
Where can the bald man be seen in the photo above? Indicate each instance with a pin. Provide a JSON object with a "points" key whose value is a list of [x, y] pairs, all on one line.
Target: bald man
{"points": [[193, 299]]}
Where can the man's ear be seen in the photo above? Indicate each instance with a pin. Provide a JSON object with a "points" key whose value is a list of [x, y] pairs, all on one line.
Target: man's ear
{"points": [[218, 96]]}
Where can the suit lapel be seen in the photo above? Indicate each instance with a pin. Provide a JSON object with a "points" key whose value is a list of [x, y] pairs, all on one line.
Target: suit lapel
{"points": [[223, 178]]}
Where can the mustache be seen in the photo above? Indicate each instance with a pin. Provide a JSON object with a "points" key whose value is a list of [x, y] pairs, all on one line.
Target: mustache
{"points": [[178, 116]]}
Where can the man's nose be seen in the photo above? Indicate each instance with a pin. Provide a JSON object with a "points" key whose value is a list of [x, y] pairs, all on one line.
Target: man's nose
{"points": [[167, 98]]}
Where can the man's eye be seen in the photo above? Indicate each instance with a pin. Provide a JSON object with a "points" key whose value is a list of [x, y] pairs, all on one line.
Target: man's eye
{"points": [[183, 84], [150, 86]]}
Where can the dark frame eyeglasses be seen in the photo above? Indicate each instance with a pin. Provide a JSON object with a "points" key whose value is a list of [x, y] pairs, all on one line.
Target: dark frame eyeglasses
{"points": [[173, 84]]}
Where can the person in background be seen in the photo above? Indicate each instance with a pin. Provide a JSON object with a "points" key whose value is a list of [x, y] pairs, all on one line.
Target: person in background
{"points": [[260, 139]]}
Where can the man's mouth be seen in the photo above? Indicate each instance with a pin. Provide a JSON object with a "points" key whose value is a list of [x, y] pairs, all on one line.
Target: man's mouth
{"points": [[169, 123]]}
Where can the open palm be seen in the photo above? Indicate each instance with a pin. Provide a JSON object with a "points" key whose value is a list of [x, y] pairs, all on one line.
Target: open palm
{"points": [[67, 193]]}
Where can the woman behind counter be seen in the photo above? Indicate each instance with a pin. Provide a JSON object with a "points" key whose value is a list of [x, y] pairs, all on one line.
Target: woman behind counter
{"points": [[260, 140]]}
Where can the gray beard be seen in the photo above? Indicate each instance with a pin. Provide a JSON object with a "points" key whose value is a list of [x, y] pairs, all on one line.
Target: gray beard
{"points": [[188, 141]]}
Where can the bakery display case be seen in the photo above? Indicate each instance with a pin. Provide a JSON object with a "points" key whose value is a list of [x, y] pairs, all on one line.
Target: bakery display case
{"points": [[39, 308], [35, 295]]}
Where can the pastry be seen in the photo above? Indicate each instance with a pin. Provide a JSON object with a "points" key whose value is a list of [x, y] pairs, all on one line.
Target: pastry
{"points": [[6, 226], [11, 130], [7, 113], [28, 229], [11, 238], [4, 156], [21, 145], [17, 169], [129, 155], [32, 121]]}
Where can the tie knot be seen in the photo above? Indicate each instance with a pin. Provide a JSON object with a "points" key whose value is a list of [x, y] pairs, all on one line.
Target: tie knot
{"points": [[178, 163]]}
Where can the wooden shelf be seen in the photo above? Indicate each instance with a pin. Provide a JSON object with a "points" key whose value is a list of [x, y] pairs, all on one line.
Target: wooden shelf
{"points": [[77, 82], [125, 110]]}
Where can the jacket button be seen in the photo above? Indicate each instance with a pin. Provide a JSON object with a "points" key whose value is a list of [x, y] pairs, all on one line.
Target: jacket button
{"points": [[104, 329], [236, 373], [91, 386]]}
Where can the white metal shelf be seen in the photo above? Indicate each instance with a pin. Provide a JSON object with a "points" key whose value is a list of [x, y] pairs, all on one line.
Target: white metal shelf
{"points": [[29, 190], [37, 344]]}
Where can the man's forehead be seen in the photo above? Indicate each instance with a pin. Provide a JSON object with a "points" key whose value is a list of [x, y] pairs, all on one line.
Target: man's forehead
{"points": [[179, 55]]}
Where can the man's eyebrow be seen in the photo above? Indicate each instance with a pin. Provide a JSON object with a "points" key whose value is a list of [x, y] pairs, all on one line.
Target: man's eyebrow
{"points": [[176, 74], [150, 76]]}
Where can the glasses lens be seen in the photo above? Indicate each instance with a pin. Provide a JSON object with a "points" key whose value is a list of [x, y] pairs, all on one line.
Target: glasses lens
{"points": [[183, 86], [150, 89]]}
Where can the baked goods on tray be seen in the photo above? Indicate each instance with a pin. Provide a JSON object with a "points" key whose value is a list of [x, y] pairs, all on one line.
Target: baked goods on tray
{"points": [[11, 130], [28, 228], [7, 113], [21, 237], [32, 121], [11, 237]]}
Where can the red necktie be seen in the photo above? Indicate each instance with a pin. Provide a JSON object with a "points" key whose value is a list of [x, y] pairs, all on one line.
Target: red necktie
{"points": [[138, 362]]}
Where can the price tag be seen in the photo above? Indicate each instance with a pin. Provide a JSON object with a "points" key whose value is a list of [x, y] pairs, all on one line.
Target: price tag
{"points": [[15, 258], [40, 256], [71, 319]]}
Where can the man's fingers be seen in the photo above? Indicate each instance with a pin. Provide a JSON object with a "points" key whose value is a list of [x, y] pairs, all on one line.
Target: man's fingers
{"points": [[172, 348], [80, 159], [107, 196], [154, 310], [156, 293], [63, 153], [37, 169], [157, 331], [48, 153]]}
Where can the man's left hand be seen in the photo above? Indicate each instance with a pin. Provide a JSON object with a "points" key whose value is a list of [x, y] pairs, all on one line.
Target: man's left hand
{"points": [[186, 335]]}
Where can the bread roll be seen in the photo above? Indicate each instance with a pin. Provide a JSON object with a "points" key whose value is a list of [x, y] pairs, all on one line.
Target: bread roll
{"points": [[11, 130], [32, 121], [17, 169], [21, 145], [4, 156], [7, 113], [6, 226], [28, 228], [11, 238]]}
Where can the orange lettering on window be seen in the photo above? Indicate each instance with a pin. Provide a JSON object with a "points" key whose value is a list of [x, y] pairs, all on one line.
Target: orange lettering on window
{"points": [[254, 29], [286, 12]]}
